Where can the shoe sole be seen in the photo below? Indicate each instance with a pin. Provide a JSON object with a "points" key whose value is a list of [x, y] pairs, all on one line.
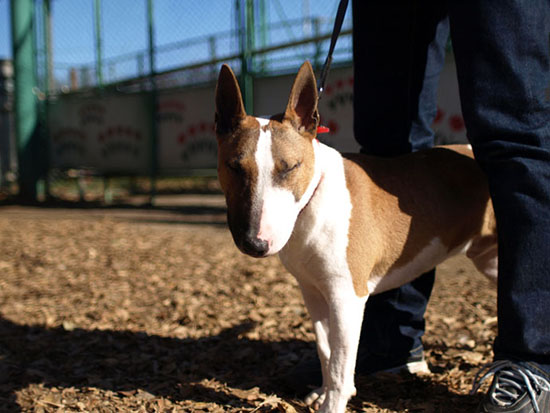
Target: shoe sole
{"points": [[414, 367]]}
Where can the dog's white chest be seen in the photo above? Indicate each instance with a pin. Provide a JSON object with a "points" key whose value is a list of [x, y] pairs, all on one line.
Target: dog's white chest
{"points": [[318, 246]]}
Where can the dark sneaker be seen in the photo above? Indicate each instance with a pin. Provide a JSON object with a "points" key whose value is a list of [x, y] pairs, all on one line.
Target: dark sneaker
{"points": [[369, 364], [307, 376], [515, 389]]}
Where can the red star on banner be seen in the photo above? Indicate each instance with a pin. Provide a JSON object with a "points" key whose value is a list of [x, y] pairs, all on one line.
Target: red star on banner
{"points": [[456, 123], [439, 115], [333, 126]]}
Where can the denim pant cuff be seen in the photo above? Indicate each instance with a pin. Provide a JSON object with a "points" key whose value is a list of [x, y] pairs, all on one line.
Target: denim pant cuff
{"points": [[537, 368]]}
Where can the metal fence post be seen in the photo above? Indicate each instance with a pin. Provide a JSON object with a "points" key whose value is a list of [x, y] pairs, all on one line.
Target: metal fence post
{"points": [[26, 110], [317, 58], [98, 43], [49, 85], [245, 25], [8, 146], [262, 11], [48, 47], [213, 52], [153, 99]]}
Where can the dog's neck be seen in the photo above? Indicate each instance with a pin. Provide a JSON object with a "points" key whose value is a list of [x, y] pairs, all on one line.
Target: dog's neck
{"points": [[316, 230], [319, 173]]}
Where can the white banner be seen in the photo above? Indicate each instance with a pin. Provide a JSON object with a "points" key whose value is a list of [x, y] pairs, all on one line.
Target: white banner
{"points": [[336, 106], [112, 134], [186, 136], [448, 123]]}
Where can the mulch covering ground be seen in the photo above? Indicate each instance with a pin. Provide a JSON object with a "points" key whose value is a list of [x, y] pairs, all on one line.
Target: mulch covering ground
{"points": [[155, 310]]}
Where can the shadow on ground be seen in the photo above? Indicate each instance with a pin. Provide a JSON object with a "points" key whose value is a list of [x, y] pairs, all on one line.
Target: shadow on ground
{"points": [[183, 209], [123, 361]]}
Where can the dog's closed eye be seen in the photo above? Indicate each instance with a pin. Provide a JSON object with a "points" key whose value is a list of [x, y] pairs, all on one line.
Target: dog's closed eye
{"points": [[235, 166], [284, 169]]}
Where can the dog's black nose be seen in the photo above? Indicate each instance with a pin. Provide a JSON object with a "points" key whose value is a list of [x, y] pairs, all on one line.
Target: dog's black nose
{"points": [[255, 247]]}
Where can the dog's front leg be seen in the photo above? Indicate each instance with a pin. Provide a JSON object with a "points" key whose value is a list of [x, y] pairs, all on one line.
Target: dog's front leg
{"points": [[346, 316], [318, 309]]}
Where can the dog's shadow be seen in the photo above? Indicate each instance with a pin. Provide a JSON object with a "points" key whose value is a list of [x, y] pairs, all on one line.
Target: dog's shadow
{"points": [[127, 362], [123, 361]]}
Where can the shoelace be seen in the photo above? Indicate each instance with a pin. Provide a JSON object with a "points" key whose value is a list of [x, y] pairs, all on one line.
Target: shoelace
{"points": [[512, 381]]}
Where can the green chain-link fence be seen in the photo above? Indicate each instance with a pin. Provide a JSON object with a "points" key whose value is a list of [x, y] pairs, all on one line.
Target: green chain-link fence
{"points": [[93, 43], [125, 87]]}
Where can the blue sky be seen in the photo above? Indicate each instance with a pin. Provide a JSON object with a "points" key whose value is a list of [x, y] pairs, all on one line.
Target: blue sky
{"points": [[124, 24]]}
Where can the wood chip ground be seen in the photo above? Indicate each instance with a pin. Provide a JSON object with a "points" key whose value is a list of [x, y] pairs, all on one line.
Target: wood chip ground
{"points": [[155, 310]]}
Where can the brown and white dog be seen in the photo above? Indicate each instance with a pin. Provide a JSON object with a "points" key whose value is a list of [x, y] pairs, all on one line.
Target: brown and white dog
{"points": [[346, 226]]}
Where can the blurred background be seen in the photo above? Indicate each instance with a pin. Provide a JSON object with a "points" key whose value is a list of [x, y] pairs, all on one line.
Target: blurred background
{"points": [[95, 94]]}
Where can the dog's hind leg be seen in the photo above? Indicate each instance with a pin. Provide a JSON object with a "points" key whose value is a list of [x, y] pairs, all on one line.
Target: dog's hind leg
{"points": [[484, 254]]}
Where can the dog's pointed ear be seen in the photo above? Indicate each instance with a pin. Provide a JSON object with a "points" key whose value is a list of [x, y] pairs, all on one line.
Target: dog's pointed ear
{"points": [[229, 101], [301, 109]]}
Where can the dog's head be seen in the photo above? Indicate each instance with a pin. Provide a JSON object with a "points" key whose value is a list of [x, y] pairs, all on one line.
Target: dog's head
{"points": [[266, 167]]}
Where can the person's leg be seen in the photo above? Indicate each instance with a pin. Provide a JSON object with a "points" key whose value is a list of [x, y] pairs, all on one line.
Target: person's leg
{"points": [[502, 52], [399, 50], [398, 54], [503, 78]]}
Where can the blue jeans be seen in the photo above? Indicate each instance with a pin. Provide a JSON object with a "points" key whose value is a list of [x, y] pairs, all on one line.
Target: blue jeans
{"points": [[502, 53], [398, 55]]}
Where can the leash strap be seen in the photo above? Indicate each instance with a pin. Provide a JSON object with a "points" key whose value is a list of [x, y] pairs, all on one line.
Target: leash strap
{"points": [[335, 33]]}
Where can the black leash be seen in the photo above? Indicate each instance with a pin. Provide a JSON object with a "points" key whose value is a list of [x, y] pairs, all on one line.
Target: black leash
{"points": [[335, 33]]}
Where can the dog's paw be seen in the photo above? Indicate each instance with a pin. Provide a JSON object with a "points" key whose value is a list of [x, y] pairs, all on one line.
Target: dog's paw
{"points": [[319, 401], [316, 398]]}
